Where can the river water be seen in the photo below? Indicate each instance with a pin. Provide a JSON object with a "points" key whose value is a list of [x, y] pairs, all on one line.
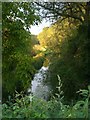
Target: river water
{"points": [[38, 86]]}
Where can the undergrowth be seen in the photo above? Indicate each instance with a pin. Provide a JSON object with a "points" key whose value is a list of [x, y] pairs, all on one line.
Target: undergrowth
{"points": [[32, 107]]}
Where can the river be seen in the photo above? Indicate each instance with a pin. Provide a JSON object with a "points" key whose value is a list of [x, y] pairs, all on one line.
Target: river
{"points": [[38, 86]]}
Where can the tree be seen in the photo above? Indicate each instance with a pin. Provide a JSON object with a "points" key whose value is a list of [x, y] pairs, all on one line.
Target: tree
{"points": [[17, 69], [67, 50], [62, 10]]}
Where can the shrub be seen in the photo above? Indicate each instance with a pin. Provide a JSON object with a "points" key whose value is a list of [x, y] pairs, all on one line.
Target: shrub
{"points": [[32, 107]]}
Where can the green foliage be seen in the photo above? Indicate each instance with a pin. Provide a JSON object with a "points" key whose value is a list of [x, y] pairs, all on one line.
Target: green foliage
{"points": [[63, 44], [17, 45], [67, 48], [38, 62], [32, 107], [74, 12]]}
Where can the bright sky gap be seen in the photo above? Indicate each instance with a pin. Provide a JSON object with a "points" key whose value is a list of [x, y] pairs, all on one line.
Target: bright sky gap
{"points": [[36, 29]]}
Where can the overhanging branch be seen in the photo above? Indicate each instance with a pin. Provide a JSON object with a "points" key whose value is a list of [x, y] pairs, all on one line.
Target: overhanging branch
{"points": [[59, 12]]}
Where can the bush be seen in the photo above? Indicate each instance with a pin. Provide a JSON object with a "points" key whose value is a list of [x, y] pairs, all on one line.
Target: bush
{"points": [[32, 107]]}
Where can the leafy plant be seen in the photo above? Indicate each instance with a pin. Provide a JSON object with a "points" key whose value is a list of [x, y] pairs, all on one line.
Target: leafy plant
{"points": [[33, 107]]}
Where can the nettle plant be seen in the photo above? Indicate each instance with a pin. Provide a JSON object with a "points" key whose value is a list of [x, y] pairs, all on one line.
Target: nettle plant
{"points": [[57, 109], [32, 107]]}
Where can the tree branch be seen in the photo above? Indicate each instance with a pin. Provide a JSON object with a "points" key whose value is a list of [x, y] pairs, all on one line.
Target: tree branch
{"points": [[59, 12]]}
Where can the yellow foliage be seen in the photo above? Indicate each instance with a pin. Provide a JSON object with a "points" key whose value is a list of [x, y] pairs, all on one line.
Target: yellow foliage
{"points": [[46, 62], [38, 56], [39, 48]]}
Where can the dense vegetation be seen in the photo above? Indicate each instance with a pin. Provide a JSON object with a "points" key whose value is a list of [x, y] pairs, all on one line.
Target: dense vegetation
{"points": [[64, 47], [67, 51], [17, 49], [32, 107]]}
